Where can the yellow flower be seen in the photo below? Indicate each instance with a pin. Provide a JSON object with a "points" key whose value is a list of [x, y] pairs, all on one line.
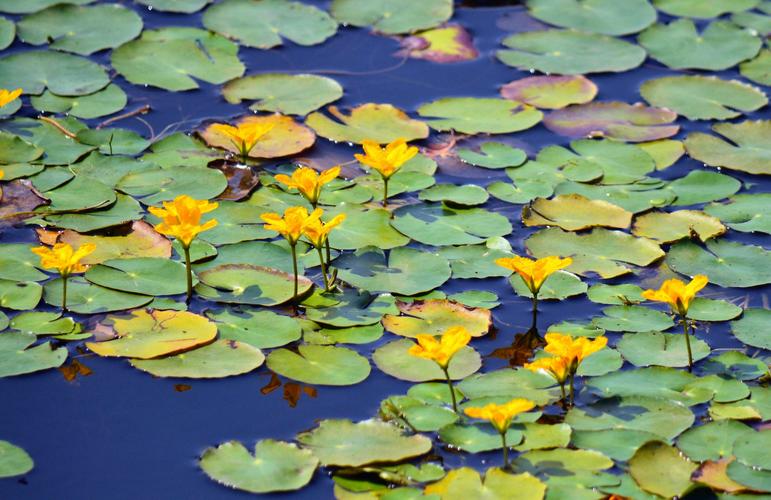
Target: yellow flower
{"points": [[181, 218], [534, 272], [677, 294], [386, 160], [308, 182], [245, 135], [318, 231], [64, 258], [500, 415], [441, 351], [293, 224], [7, 96], [556, 366], [573, 349]]}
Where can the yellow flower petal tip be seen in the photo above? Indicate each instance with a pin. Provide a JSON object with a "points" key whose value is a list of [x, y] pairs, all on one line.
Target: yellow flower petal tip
{"points": [[558, 367], [317, 231], [8, 96], [181, 218], [534, 272], [308, 182], [500, 415], [677, 294], [64, 258], [386, 160], [443, 349], [573, 349], [244, 136], [293, 224]]}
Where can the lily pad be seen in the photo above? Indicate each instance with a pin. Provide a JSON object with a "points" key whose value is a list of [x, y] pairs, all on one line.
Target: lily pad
{"points": [[550, 92], [637, 197], [573, 212], [78, 29], [18, 263], [615, 120], [261, 329], [477, 438], [173, 58], [283, 93], [701, 186], [156, 185], [467, 483], [287, 137], [14, 461], [352, 308], [18, 358], [365, 227], [450, 43], [661, 469], [618, 444], [393, 17], [558, 286], [713, 440], [44, 323], [755, 479], [382, 123], [759, 69], [607, 17], [475, 261], [394, 360], [320, 365], [182, 6], [730, 264], [704, 10], [493, 155], [107, 101], [667, 227], [125, 209], [703, 97], [443, 225], [750, 330], [433, 317], [660, 349], [84, 297], [249, 284], [475, 115], [748, 153], [615, 294], [704, 309], [734, 364], [568, 52], [467, 195], [744, 212], [507, 384], [143, 275], [221, 358], [19, 295], [632, 319], [28, 6], [62, 74], [348, 444], [679, 45], [147, 335]]}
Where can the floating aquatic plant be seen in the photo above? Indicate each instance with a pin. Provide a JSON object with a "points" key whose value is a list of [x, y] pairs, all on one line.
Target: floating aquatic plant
{"points": [[66, 260]]}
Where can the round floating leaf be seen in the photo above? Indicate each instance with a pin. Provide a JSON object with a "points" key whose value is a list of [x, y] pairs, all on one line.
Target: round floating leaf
{"points": [[660, 468], [274, 466], [263, 24], [18, 263], [468, 194], [406, 271], [701, 186], [573, 212], [562, 462], [62, 74], [446, 44], [393, 17], [737, 365], [144, 275], [393, 359], [701, 9], [287, 137], [679, 45], [558, 286], [105, 102], [377, 122], [477, 438], [567, 52], [493, 155], [221, 358], [14, 461], [183, 6], [147, 335], [352, 308], [601, 251], [84, 297], [550, 92], [475, 261], [667, 227], [347, 444], [754, 21], [755, 479], [607, 17], [82, 30], [261, 329], [170, 58], [475, 115], [744, 212], [752, 449], [18, 358], [476, 298], [618, 444], [750, 329], [283, 93], [703, 309], [442, 225], [615, 120], [636, 198], [19, 295], [661, 349], [28, 6], [142, 241], [713, 440], [156, 185], [615, 294], [125, 209], [665, 152], [729, 264], [7, 35], [508, 383], [467, 483], [44, 323], [433, 317], [759, 69], [320, 365], [364, 228], [750, 151], [632, 319], [249, 284], [703, 97]]}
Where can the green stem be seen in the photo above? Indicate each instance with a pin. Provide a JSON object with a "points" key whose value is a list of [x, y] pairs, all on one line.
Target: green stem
{"points": [[688, 343], [189, 273], [293, 246], [505, 450], [323, 269], [329, 259], [562, 390], [385, 191], [64, 292], [452, 391], [535, 310]]}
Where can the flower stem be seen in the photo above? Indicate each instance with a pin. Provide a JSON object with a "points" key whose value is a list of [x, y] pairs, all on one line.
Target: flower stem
{"points": [[562, 390], [293, 246], [189, 273], [323, 269], [452, 391], [64, 292], [505, 450], [688, 344], [535, 310], [329, 259], [385, 191]]}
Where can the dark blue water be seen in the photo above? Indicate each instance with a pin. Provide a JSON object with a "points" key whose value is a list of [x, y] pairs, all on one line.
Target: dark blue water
{"points": [[122, 434]]}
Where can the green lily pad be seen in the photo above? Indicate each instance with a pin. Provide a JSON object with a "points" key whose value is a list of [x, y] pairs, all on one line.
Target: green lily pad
{"points": [[703, 97], [365, 227], [406, 271], [62, 74], [18, 358], [667, 227], [417, 414], [393, 17], [744, 212], [477, 438], [14, 461], [16, 149], [607, 161], [493, 155], [263, 24], [558, 286], [467, 483], [320, 365], [393, 359], [143, 275], [283, 93], [574, 212], [433, 317], [18, 263], [542, 436], [353, 308], [274, 466], [702, 186], [364, 334], [755, 479], [59, 149], [618, 444], [82, 30], [172, 58], [80, 193], [261, 329], [508, 384], [19, 295], [759, 69], [28, 6], [729, 264], [107, 101], [637, 197], [475, 115], [713, 440], [44, 323], [660, 468], [614, 120], [382, 123], [605, 361], [615, 294], [84, 297], [748, 153], [182, 6], [679, 45], [222, 358], [661, 349], [601, 251], [475, 261], [440, 225], [125, 209], [632, 319], [156, 185], [550, 92], [568, 52], [752, 449], [750, 330], [704, 10], [734, 364], [7, 35], [757, 22], [249, 284], [595, 16], [704, 309], [665, 152], [562, 461], [348, 444], [467, 195], [415, 175]]}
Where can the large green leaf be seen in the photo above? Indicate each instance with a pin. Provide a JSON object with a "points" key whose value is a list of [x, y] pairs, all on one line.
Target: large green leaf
{"points": [[433, 317], [18, 358], [613, 119], [283, 92], [440, 225], [382, 123], [750, 328], [393, 359], [319, 364], [463, 483], [759, 69], [27, 6], [107, 101], [748, 150], [221, 358], [713, 440], [661, 349], [156, 185], [183, 6], [14, 461], [667, 227], [351, 308], [728, 263], [87, 298], [393, 17], [702, 9], [573, 212], [744, 212], [661, 469], [260, 329], [365, 227], [607, 17], [249, 284], [62, 74], [144, 275], [475, 115]]}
